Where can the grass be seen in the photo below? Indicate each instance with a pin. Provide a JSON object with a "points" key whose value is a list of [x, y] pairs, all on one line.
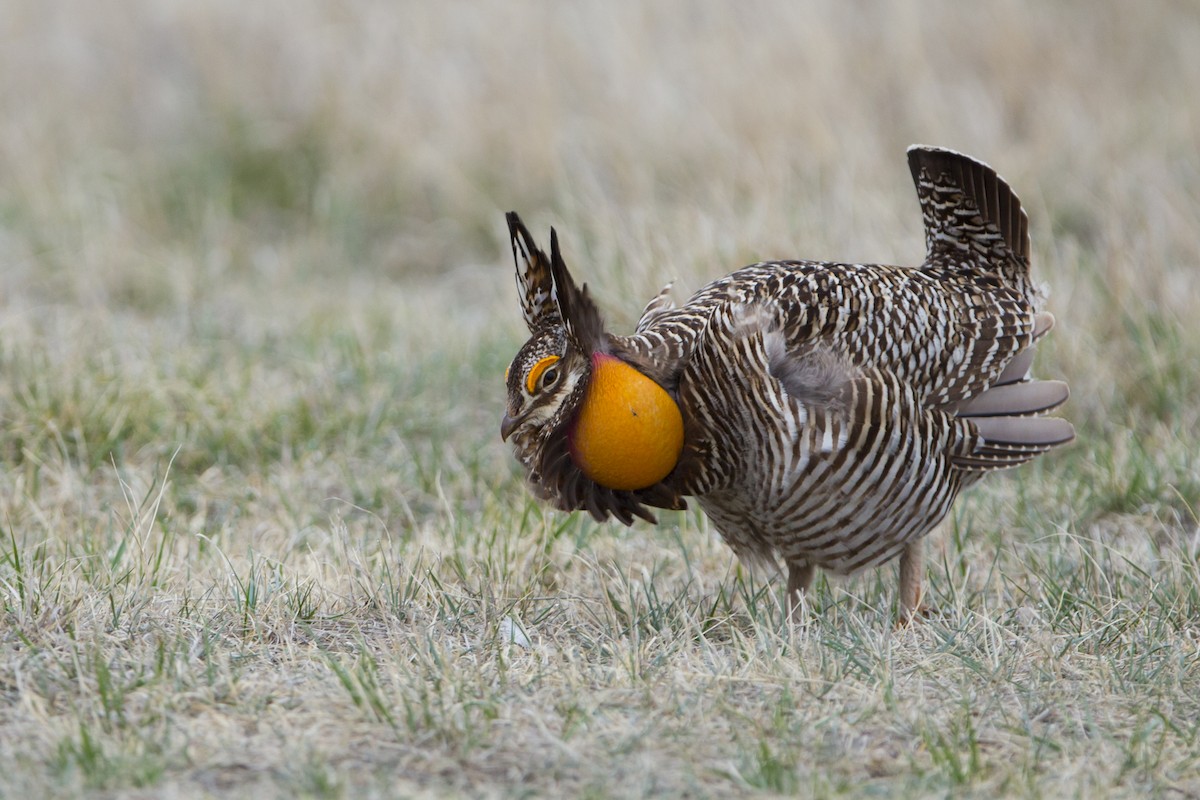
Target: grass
{"points": [[258, 536]]}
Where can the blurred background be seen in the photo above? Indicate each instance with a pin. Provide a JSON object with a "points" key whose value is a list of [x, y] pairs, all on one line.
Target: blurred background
{"points": [[216, 207], [256, 299]]}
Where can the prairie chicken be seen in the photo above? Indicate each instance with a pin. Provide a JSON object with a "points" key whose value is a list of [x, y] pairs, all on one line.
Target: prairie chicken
{"points": [[822, 414]]}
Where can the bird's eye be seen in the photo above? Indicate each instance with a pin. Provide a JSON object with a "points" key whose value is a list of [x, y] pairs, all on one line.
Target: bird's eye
{"points": [[549, 378], [534, 379]]}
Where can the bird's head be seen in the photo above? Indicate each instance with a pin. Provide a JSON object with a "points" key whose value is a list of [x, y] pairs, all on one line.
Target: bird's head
{"points": [[592, 431], [541, 383]]}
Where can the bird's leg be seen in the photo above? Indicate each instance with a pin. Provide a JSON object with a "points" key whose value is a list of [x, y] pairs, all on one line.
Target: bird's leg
{"points": [[912, 562], [799, 578]]}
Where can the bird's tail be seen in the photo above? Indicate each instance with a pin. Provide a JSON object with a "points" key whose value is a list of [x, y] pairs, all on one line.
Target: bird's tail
{"points": [[1010, 415], [973, 219]]}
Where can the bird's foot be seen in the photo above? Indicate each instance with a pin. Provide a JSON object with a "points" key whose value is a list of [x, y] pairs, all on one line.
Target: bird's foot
{"points": [[922, 611]]}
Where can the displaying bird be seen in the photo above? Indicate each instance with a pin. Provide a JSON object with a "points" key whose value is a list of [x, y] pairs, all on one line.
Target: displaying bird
{"points": [[822, 414]]}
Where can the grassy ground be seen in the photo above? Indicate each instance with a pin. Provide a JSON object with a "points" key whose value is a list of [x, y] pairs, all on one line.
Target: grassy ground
{"points": [[258, 535]]}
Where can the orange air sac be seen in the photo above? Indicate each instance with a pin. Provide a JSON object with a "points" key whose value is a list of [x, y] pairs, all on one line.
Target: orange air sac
{"points": [[628, 433]]}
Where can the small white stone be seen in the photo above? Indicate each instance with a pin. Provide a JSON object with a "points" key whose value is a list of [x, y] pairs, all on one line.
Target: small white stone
{"points": [[512, 632]]}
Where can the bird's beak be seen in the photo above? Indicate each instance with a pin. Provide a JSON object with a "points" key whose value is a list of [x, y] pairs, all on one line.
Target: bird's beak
{"points": [[508, 425]]}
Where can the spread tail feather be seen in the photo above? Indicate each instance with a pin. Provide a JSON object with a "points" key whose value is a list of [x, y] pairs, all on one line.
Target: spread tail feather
{"points": [[1011, 441], [1016, 399], [971, 214], [1009, 428], [1018, 369], [1008, 415]]}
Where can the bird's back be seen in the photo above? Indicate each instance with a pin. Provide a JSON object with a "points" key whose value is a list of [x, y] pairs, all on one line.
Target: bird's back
{"points": [[947, 332]]}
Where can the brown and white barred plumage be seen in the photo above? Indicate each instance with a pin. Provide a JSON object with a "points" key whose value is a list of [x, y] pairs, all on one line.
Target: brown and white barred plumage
{"points": [[832, 411]]}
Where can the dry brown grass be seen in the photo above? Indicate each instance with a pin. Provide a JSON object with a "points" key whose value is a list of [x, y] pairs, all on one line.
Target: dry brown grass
{"points": [[258, 535]]}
